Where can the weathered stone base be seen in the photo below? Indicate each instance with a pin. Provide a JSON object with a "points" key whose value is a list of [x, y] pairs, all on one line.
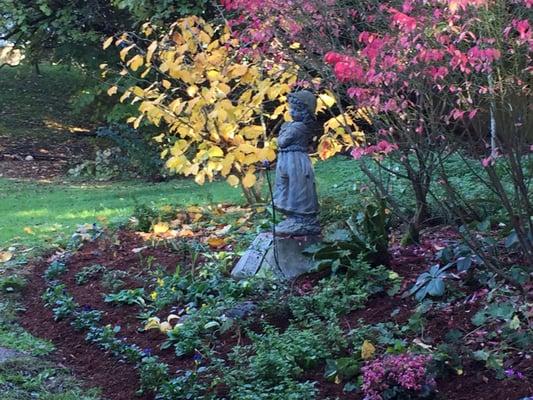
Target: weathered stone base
{"points": [[282, 257]]}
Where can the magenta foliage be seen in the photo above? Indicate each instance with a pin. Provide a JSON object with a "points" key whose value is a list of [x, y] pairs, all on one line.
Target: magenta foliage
{"points": [[385, 53], [404, 371]]}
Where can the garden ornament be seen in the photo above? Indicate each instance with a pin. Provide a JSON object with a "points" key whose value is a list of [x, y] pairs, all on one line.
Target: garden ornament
{"points": [[294, 191]]}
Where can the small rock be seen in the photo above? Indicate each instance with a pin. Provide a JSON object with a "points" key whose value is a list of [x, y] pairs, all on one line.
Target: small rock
{"points": [[29, 158]]}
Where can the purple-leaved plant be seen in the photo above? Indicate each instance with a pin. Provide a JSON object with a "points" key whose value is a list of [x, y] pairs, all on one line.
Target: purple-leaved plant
{"points": [[404, 375]]}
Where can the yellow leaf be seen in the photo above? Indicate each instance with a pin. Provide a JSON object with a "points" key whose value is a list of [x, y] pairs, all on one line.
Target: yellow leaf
{"points": [[216, 243], [237, 70], [165, 327], [325, 101], [28, 230], [200, 178], [147, 29], [214, 152], [150, 51], [233, 180], [367, 350], [454, 6], [124, 52], [252, 131], [328, 147], [146, 72], [166, 84], [213, 75], [125, 96], [136, 62], [5, 256], [153, 323], [112, 90], [108, 42], [192, 90], [295, 46], [161, 227], [194, 209], [278, 111], [249, 180], [137, 121], [185, 233]]}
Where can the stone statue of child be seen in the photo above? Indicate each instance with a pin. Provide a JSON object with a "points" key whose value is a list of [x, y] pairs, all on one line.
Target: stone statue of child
{"points": [[295, 192]]}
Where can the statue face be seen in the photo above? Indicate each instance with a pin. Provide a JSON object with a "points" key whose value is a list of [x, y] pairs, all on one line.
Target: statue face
{"points": [[297, 110]]}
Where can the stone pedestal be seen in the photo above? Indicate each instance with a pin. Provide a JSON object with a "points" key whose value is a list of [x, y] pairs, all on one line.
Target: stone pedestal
{"points": [[283, 257]]}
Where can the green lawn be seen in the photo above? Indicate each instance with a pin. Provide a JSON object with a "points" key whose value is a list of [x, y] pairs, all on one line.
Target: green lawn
{"points": [[42, 213], [34, 213]]}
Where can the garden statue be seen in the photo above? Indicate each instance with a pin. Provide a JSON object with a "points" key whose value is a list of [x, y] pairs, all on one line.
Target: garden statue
{"points": [[282, 251], [295, 192]]}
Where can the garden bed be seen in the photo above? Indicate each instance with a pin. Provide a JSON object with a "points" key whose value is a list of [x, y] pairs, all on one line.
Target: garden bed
{"points": [[143, 263]]}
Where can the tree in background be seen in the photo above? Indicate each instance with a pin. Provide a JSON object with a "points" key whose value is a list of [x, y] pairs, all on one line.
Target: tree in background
{"points": [[71, 31]]}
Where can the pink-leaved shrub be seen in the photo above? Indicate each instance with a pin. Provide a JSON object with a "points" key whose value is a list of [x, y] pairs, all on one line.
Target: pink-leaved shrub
{"points": [[403, 376]]}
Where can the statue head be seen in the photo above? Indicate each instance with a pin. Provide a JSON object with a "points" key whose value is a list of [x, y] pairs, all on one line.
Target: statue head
{"points": [[302, 106]]}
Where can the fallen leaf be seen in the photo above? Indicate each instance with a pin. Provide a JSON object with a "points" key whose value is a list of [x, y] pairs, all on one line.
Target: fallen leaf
{"points": [[160, 227], [223, 231], [216, 242], [367, 350], [422, 344], [28, 230], [185, 233], [195, 217], [5, 256]]}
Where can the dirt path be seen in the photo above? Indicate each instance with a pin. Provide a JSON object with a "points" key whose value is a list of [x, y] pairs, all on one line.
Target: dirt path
{"points": [[41, 160]]}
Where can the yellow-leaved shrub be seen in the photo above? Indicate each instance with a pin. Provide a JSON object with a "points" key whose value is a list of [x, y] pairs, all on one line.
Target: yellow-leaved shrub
{"points": [[217, 109]]}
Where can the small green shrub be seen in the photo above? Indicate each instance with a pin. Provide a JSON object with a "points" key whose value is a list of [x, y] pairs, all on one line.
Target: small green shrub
{"points": [[12, 283], [88, 273], [55, 270], [62, 304], [364, 234], [112, 280], [271, 366], [127, 296], [145, 215]]}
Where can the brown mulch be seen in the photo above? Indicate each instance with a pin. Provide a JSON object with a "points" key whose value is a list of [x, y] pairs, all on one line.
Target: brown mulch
{"points": [[41, 160], [120, 381]]}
